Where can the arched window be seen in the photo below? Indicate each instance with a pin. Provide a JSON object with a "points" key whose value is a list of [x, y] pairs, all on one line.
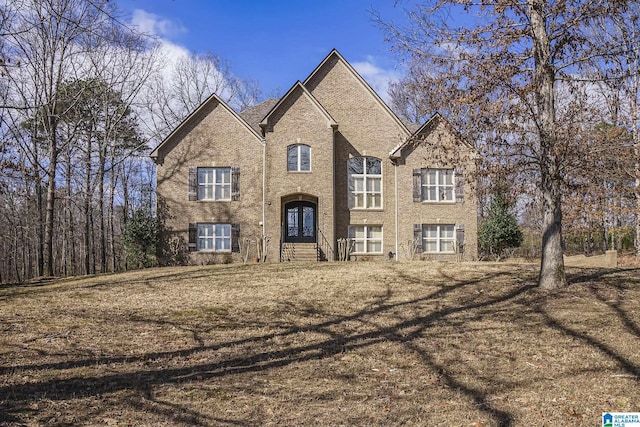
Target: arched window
{"points": [[365, 183], [299, 158]]}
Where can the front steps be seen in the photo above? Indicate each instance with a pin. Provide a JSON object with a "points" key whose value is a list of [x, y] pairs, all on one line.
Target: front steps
{"points": [[299, 252]]}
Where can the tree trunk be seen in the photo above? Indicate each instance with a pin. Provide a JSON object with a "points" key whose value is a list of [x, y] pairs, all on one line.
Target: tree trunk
{"points": [[635, 135], [112, 228], [51, 198], [39, 223], [102, 237], [87, 208], [552, 273]]}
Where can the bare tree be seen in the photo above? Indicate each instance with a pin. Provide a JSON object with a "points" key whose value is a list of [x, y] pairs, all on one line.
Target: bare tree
{"points": [[176, 91], [620, 75], [511, 61], [47, 38], [53, 53]]}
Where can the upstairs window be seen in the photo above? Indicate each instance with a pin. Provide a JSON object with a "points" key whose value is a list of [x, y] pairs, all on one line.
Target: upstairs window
{"points": [[365, 183], [438, 185], [299, 158], [214, 184]]}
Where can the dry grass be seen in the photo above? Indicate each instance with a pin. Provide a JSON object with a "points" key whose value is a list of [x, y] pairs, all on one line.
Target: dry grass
{"points": [[321, 344]]}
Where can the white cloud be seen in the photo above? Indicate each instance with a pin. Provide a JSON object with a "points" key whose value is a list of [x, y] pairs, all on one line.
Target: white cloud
{"points": [[377, 77], [156, 25]]}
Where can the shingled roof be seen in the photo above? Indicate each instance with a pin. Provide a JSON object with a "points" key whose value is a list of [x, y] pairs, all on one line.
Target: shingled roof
{"points": [[254, 115]]}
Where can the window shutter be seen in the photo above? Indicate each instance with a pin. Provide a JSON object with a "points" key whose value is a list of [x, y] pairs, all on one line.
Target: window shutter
{"points": [[417, 237], [460, 238], [459, 178], [193, 183], [193, 237], [417, 185], [235, 183], [235, 238]]}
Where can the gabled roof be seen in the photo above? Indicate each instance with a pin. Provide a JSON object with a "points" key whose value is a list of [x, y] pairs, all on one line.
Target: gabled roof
{"points": [[330, 122], [427, 127], [336, 54], [205, 104]]}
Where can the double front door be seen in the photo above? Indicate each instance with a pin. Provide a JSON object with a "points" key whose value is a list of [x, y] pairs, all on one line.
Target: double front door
{"points": [[300, 222]]}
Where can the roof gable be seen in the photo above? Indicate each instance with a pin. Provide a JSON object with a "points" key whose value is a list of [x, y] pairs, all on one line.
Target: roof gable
{"points": [[425, 130], [265, 123], [207, 103], [335, 55]]}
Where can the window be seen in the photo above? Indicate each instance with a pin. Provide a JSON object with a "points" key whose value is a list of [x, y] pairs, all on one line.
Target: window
{"points": [[211, 237], [299, 158], [366, 238], [365, 183], [214, 183], [438, 238], [214, 237], [437, 185]]}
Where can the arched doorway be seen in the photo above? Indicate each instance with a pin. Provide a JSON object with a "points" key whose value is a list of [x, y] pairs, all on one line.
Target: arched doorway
{"points": [[300, 222]]}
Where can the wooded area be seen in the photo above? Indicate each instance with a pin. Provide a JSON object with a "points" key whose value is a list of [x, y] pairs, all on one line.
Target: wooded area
{"points": [[547, 92], [83, 98]]}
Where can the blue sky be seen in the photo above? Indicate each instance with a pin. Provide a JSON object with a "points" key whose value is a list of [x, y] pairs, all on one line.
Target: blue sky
{"points": [[276, 42]]}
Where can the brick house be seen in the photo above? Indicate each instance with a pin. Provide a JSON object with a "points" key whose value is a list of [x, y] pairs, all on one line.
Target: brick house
{"points": [[328, 163]]}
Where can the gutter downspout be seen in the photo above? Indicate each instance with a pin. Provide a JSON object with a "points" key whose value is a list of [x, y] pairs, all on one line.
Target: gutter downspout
{"points": [[264, 195], [395, 172]]}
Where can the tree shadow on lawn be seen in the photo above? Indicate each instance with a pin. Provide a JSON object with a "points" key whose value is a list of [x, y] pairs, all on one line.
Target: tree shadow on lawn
{"points": [[110, 280], [261, 356]]}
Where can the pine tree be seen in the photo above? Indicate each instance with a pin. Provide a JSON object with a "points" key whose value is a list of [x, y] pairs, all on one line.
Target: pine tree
{"points": [[501, 230]]}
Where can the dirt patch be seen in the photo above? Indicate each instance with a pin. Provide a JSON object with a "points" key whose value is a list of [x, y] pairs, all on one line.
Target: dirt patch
{"points": [[321, 344]]}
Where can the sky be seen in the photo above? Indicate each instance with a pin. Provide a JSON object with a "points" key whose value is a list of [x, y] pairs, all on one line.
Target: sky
{"points": [[276, 43]]}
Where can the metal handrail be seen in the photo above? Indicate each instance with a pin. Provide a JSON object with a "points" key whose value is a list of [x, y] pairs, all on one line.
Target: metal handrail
{"points": [[324, 246]]}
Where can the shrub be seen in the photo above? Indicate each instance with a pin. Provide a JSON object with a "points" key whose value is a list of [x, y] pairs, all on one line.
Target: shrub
{"points": [[140, 237], [501, 230]]}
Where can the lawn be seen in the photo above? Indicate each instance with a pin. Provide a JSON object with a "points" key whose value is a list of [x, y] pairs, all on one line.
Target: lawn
{"points": [[354, 344]]}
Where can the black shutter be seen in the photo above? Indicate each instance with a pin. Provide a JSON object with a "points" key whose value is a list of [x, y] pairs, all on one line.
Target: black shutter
{"points": [[417, 237], [193, 237], [235, 183], [459, 179], [417, 185], [193, 183], [235, 238]]}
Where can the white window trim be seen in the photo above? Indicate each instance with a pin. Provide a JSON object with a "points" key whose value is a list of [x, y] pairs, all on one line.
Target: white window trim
{"points": [[214, 237], [439, 188], [438, 239], [299, 158], [367, 239], [214, 184], [365, 177]]}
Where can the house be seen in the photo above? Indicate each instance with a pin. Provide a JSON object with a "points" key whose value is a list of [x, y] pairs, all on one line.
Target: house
{"points": [[325, 166]]}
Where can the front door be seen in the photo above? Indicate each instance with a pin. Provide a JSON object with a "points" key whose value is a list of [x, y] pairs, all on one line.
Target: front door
{"points": [[300, 222]]}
